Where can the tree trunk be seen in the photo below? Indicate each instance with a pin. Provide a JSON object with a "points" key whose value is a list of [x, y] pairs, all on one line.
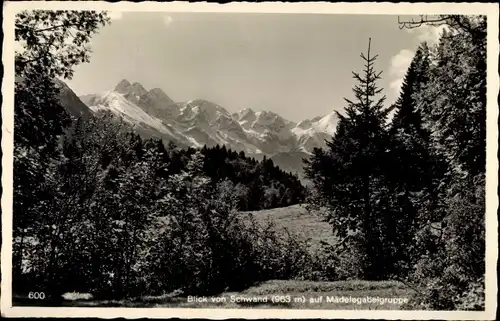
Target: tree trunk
{"points": [[367, 226]]}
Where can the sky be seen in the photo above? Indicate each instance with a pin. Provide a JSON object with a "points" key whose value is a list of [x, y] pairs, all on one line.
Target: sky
{"points": [[296, 65]]}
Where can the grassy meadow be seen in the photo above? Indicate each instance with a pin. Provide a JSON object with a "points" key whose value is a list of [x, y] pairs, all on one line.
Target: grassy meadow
{"points": [[298, 221]]}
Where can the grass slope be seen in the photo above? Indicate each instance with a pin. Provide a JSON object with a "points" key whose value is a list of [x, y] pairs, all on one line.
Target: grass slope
{"points": [[298, 221]]}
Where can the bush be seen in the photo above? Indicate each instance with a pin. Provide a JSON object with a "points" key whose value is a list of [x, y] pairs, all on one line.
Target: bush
{"points": [[202, 245], [239, 255]]}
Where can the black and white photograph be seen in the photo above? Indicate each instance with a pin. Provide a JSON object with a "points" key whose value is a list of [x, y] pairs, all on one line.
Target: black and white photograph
{"points": [[250, 159]]}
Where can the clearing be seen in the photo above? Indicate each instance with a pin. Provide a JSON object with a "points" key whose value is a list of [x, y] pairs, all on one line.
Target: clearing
{"points": [[298, 221]]}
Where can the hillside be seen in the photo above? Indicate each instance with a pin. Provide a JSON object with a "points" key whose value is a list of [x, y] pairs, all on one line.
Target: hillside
{"points": [[71, 101], [292, 162], [297, 220]]}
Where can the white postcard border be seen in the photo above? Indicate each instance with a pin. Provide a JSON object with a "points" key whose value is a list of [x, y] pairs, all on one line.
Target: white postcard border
{"points": [[490, 10]]}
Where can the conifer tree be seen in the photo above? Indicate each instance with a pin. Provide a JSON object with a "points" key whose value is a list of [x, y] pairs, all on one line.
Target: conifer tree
{"points": [[454, 101], [355, 160], [414, 167], [406, 114]]}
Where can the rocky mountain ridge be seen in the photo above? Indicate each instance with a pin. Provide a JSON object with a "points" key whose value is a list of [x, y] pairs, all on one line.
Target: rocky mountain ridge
{"points": [[200, 122]]}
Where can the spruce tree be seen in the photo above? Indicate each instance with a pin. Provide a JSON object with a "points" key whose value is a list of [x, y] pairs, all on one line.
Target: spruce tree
{"points": [[350, 184], [406, 115], [413, 168]]}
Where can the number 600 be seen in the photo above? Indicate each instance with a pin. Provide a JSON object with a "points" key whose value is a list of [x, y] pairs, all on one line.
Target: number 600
{"points": [[36, 295]]}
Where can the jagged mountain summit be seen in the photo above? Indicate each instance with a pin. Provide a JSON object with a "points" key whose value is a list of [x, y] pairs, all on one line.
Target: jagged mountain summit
{"points": [[200, 122]]}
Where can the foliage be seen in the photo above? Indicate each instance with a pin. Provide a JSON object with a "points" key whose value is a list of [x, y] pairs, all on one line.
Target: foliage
{"points": [[39, 118], [118, 226], [456, 118], [54, 40], [416, 186], [259, 184], [453, 101]]}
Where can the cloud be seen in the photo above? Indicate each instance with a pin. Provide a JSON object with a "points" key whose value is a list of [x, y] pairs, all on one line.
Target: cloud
{"points": [[429, 34], [115, 15], [397, 70], [401, 61], [167, 20]]}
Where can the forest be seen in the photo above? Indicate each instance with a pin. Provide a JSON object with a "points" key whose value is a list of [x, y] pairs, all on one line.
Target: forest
{"points": [[98, 209], [406, 193]]}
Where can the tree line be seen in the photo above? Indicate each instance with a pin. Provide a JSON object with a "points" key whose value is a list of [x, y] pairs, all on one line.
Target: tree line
{"points": [[404, 184], [258, 184]]}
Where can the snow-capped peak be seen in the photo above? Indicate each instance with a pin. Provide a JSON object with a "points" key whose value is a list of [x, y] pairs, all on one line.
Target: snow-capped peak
{"points": [[200, 122], [209, 108], [305, 124], [327, 124], [312, 133], [245, 113]]}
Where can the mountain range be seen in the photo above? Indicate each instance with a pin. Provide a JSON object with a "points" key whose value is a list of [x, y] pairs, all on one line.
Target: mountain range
{"points": [[199, 122]]}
